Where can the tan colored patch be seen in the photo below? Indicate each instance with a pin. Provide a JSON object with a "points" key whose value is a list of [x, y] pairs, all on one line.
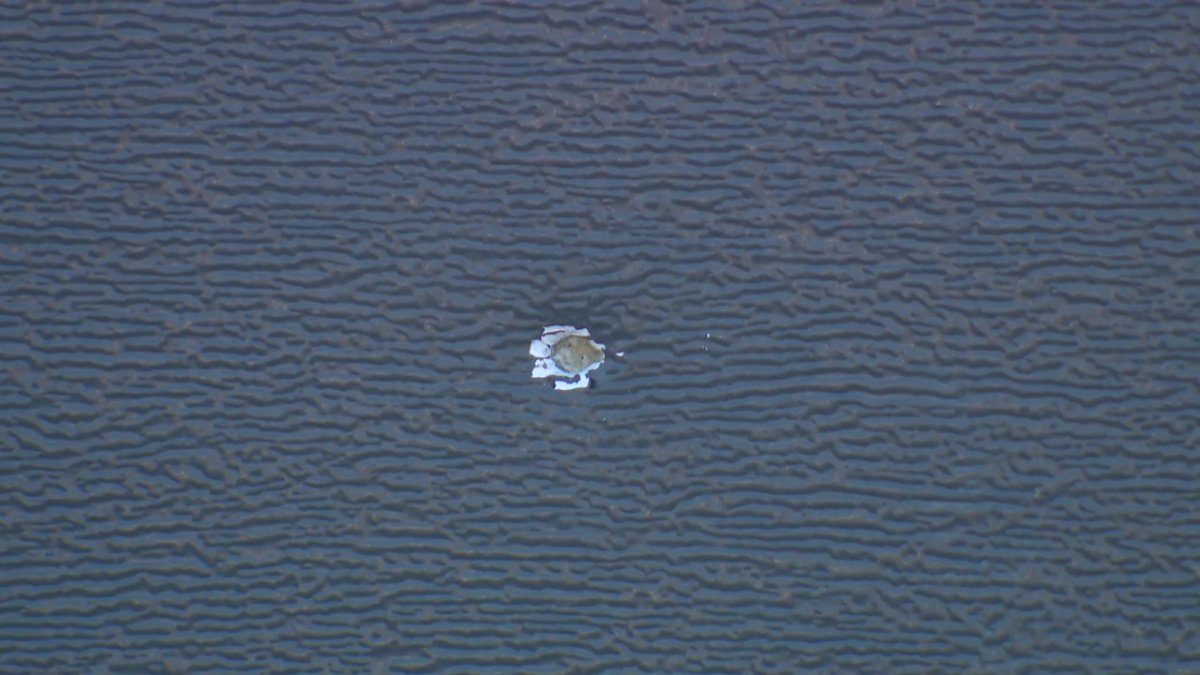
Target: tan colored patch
{"points": [[575, 354]]}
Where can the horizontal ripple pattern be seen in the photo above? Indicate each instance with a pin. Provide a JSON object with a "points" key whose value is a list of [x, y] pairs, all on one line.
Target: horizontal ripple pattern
{"points": [[908, 297]]}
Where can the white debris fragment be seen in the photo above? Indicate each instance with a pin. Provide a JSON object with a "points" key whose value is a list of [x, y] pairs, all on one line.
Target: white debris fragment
{"points": [[568, 353]]}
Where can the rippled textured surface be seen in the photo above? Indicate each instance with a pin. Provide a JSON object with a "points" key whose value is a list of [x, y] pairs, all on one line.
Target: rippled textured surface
{"points": [[909, 298]]}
